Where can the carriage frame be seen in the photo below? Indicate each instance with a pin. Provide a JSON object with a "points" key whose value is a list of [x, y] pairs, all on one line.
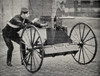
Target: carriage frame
{"points": [[35, 51]]}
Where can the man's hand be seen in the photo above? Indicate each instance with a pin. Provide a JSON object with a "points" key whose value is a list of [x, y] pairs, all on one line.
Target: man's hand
{"points": [[44, 25], [35, 20]]}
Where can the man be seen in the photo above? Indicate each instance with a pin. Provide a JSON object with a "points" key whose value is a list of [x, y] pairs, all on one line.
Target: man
{"points": [[10, 31]]}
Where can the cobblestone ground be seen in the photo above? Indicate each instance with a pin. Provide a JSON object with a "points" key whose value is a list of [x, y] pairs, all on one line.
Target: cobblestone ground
{"points": [[58, 66]]}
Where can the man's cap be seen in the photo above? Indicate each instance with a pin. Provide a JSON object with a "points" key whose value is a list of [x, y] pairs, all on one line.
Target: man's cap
{"points": [[24, 10], [62, 2]]}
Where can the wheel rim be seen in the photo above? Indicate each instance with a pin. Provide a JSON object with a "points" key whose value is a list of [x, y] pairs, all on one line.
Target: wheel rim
{"points": [[34, 50], [83, 36]]}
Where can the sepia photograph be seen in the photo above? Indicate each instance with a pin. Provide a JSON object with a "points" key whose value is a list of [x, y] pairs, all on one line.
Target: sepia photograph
{"points": [[49, 37]]}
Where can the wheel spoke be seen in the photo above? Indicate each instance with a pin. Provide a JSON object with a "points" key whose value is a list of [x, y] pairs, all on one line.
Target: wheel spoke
{"points": [[34, 36], [33, 44], [27, 45], [80, 32], [86, 54], [83, 32], [36, 40], [39, 54], [86, 34], [76, 34], [76, 38], [28, 37], [83, 36], [79, 55], [31, 33], [31, 62], [25, 39], [34, 62], [27, 54], [83, 55], [37, 60], [89, 45], [88, 49], [28, 58], [89, 39]]}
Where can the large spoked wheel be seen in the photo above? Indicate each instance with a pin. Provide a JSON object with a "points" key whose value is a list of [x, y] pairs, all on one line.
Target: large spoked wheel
{"points": [[83, 36], [32, 51]]}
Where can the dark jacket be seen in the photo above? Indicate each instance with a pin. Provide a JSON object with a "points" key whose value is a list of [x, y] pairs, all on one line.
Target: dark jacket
{"points": [[17, 21]]}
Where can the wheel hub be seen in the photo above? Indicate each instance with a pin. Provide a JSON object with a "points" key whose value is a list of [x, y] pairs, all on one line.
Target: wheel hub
{"points": [[81, 44]]}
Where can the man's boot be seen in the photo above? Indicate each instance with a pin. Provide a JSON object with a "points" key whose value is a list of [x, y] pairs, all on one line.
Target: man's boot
{"points": [[9, 56]]}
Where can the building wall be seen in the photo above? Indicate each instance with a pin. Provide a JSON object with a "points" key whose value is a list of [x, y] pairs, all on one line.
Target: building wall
{"points": [[68, 5], [88, 8], [47, 8], [40, 8], [9, 8], [37, 8]]}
